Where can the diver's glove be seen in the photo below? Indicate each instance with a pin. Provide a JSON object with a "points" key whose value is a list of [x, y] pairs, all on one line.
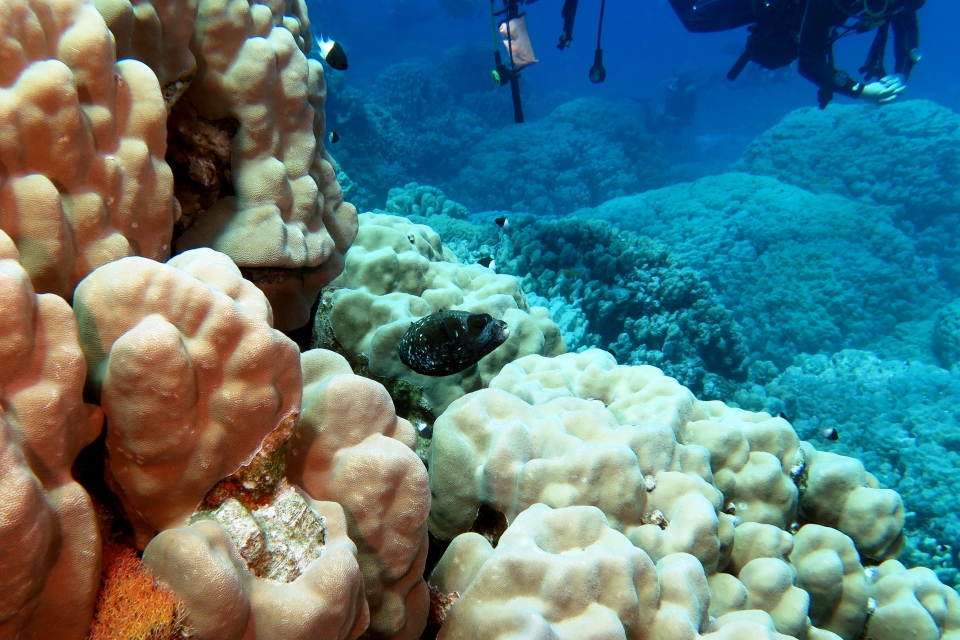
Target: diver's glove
{"points": [[885, 90]]}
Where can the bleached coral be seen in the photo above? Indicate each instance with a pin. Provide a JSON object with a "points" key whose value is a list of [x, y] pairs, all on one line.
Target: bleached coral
{"points": [[398, 272]]}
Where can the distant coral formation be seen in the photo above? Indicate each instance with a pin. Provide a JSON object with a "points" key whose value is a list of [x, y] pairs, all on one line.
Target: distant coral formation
{"points": [[582, 154], [640, 304], [946, 334], [903, 155], [800, 272]]}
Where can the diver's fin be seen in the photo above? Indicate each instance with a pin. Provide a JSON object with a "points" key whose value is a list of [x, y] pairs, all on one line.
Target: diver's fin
{"points": [[739, 65]]}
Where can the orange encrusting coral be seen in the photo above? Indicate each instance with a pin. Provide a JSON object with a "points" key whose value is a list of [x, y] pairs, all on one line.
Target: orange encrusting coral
{"points": [[132, 605]]}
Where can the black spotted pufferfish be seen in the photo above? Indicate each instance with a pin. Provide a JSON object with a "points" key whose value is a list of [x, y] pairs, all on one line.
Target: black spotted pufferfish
{"points": [[448, 342]]}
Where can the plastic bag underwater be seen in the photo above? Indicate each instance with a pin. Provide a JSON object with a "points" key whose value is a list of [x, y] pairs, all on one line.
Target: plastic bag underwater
{"points": [[516, 39]]}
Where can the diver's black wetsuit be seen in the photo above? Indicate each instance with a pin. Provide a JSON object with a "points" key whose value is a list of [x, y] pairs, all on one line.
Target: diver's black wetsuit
{"points": [[816, 37], [816, 45]]}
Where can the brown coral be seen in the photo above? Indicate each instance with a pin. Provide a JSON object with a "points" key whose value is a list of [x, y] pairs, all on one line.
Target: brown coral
{"points": [[189, 373], [48, 580]]}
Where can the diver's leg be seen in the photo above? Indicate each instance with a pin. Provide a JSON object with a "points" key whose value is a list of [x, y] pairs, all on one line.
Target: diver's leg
{"points": [[654, 121], [702, 16]]}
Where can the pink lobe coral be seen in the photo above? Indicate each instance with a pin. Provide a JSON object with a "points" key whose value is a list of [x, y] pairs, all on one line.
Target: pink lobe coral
{"points": [[350, 447], [48, 579], [190, 375], [82, 140]]}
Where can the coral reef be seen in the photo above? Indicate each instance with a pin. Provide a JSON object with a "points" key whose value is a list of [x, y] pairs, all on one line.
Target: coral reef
{"points": [[580, 579], [797, 270], [639, 303], [190, 374], [83, 178], [351, 448], [423, 200], [904, 156], [899, 418], [420, 120], [51, 560], [282, 220], [276, 495], [584, 153], [157, 34], [398, 272], [606, 287], [225, 600], [699, 485], [912, 602], [946, 335]]}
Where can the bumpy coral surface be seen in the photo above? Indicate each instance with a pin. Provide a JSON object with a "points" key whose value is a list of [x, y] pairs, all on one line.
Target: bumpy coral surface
{"points": [[282, 218], [899, 418], [423, 200], [566, 574], [398, 272], [675, 475], [83, 138], [946, 334], [351, 448], [798, 271], [585, 152], [225, 599], [50, 559], [912, 604], [157, 34], [189, 372], [903, 156], [640, 303]]}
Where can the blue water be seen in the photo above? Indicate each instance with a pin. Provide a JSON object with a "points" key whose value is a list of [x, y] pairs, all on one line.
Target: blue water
{"points": [[643, 43], [824, 280]]}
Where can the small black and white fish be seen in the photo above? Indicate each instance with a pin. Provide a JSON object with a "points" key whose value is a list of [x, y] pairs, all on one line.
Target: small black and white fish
{"points": [[485, 261], [501, 222], [830, 433], [331, 52], [448, 342], [333, 137]]}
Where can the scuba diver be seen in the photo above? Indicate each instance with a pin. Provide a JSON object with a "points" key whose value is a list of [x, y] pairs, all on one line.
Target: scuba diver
{"points": [[679, 105], [782, 31]]}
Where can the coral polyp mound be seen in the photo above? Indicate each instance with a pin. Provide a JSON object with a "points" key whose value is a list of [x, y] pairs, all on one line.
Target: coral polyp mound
{"points": [[50, 559], [83, 179], [565, 573], [190, 374], [351, 447], [766, 534], [275, 207], [398, 272], [316, 593]]}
